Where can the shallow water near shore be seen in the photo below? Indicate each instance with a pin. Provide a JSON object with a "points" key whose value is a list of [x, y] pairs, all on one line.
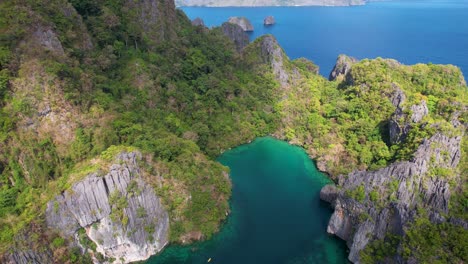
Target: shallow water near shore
{"points": [[277, 216]]}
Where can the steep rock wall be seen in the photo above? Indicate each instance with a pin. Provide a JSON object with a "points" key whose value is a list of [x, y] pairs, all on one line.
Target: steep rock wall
{"points": [[406, 184], [342, 67], [235, 33], [242, 22], [272, 54], [119, 212]]}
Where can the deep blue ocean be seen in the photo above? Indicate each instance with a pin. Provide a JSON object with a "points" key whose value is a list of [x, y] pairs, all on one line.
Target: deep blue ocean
{"points": [[411, 32]]}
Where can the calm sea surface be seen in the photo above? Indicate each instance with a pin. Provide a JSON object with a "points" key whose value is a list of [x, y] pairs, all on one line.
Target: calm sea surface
{"points": [[408, 31], [276, 214]]}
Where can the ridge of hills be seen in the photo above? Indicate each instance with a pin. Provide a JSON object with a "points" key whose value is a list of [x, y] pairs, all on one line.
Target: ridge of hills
{"points": [[128, 101]]}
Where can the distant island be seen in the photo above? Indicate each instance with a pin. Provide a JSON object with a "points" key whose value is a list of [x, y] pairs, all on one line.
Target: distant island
{"points": [[225, 3]]}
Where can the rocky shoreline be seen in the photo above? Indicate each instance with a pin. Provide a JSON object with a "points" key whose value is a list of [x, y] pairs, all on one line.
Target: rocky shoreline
{"points": [[369, 205]]}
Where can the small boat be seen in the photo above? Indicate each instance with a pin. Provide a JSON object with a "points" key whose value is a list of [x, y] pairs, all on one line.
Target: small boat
{"points": [[209, 260]]}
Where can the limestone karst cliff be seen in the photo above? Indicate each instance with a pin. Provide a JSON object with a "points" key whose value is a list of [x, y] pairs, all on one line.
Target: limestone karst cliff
{"points": [[391, 196], [114, 216], [63, 68], [235, 33], [198, 22], [118, 211], [273, 55], [342, 66], [78, 79], [382, 204], [379, 208], [242, 22]]}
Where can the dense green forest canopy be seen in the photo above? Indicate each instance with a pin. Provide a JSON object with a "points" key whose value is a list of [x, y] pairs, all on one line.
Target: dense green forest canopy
{"points": [[181, 94], [182, 100]]}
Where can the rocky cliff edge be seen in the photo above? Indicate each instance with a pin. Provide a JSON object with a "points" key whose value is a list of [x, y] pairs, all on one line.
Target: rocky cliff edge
{"points": [[118, 211], [370, 204]]}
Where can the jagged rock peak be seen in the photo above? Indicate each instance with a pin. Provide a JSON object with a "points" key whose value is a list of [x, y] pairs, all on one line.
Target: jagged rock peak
{"points": [[243, 22], [398, 96], [40, 33], [119, 212], [198, 22], [272, 54], [235, 33], [269, 20], [342, 67]]}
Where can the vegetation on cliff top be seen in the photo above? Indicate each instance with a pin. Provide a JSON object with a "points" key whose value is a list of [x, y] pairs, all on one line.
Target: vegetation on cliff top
{"points": [[182, 100], [77, 77]]}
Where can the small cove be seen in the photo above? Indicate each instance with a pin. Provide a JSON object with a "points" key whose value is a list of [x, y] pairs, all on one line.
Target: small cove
{"points": [[277, 216]]}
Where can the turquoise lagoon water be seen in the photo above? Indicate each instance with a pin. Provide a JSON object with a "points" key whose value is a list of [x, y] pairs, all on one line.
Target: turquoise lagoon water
{"points": [[277, 216], [410, 31]]}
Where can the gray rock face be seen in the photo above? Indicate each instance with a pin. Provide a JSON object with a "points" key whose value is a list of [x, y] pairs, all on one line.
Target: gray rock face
{"points": [[398, 96], [418, 112], [403, 183], [198, 22], [272, 54], [243, 22], [329, 193], [342, 67], [265, 51], [269, 20], [28, 257], [236, 34], [399, 128], [459, 222], [119, 212], [157, 19], [322, 165], [45, 36], [399, 125], [48, 40], [341, 224]]}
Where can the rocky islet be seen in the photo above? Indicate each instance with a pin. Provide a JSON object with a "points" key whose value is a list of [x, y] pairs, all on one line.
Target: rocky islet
{"points": [[269, 21], [243, 22]]}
